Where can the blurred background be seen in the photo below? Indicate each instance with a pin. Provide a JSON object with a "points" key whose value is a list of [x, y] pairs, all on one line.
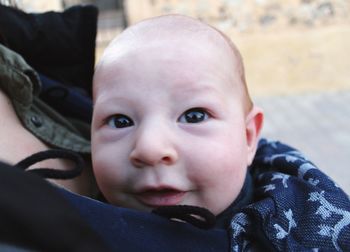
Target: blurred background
{"points": [[297, 59]]}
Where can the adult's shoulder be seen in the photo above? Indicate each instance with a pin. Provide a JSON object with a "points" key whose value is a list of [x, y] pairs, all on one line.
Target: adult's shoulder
{"points": [[33, 215]]}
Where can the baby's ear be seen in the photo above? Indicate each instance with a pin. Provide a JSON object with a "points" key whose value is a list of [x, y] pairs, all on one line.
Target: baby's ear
{"points": [[254, 123]]}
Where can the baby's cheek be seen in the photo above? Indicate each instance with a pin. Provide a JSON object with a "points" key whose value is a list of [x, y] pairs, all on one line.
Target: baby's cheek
{"points": [[227, 170], [205, 166], [104, 168], [110, 182], [104, 176]]}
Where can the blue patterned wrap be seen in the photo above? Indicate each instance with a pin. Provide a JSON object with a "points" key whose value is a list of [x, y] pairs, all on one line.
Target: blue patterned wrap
{"points": [[296, 206]]}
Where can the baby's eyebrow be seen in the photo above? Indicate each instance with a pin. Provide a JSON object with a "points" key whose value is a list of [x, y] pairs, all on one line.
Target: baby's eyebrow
{"points": [[114, 100], [201, 97], [190, 90]]}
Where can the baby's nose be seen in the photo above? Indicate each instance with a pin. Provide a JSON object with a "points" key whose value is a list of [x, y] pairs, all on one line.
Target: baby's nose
{"points": [[153, 147]]}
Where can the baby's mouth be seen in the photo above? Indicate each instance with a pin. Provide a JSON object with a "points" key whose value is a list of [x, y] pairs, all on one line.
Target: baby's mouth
{"points": [[161, 197]]}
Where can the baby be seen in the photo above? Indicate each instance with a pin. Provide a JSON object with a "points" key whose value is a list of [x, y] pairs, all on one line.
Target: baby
{"points": [[173, 122]]}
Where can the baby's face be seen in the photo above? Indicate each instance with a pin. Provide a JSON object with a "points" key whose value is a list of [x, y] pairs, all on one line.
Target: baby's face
{"points": [[169, 127]]}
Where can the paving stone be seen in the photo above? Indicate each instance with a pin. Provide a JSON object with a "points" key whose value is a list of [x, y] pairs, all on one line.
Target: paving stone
{"points": [[316, 124]]}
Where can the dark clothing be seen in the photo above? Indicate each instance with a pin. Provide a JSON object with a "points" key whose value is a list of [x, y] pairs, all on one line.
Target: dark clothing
{"points": [[295, 207], [131, 230], [34, 216], [56, 107], [22, 85], [60, 45], [67, 101]]}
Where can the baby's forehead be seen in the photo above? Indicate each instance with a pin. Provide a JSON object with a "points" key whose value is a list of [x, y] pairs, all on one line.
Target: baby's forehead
{"points": [[172, 35], [174, 32], [175, 29]]}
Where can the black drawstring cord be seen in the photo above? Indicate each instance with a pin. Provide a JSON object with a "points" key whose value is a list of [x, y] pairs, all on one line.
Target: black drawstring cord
{"points": [[197, 216], [53, 173]]}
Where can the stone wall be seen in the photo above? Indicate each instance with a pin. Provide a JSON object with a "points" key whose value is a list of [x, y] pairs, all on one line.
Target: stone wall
{"points": [[39, 5], [288, 46], [247, 15]]}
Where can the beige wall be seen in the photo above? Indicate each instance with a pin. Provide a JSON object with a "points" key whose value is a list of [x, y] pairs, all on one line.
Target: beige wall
{"points": [[39, 5], [246, 15], [289, 46]]}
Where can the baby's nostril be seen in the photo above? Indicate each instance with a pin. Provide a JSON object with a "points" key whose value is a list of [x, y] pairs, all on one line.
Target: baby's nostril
{"points": [[166, 159]]}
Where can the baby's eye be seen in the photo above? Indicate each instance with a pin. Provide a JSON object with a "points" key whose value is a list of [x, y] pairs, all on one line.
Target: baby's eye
{"points": [[194, 115], [119, 121]]}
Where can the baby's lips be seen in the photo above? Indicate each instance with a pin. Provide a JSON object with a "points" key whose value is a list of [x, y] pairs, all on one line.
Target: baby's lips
{"points": [[161, 197]]}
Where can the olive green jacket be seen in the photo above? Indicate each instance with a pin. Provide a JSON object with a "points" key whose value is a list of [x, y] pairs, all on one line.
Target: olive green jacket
{"points": [[22, 85]]}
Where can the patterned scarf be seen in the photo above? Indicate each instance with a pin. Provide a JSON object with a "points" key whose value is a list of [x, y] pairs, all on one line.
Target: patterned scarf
{"points": [[296, 206]]}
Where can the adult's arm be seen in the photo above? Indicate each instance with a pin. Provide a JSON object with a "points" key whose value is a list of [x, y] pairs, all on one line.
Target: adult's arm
{"points": [[34, 216], [37, 215]]}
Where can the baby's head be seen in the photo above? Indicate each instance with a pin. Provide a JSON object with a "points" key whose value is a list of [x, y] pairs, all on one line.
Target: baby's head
{"points": [[173, 122]]}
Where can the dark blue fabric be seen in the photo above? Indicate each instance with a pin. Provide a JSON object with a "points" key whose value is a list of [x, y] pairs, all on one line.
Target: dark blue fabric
{"points": [[68, 100], [34, 217], [296, 206], [60, 45], [131, 230]]}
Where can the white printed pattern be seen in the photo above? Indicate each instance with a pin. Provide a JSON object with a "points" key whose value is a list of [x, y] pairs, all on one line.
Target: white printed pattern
{"points": [[282, 233], [326, 209]]}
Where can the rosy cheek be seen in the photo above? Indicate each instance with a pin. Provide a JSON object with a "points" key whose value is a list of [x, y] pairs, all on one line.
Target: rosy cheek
{"points": [[104, 162], [213, 164], [103, 172]]}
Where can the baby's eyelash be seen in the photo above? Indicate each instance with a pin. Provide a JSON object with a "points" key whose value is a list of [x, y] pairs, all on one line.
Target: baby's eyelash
{"points": [[194, 115], [119, 121]]}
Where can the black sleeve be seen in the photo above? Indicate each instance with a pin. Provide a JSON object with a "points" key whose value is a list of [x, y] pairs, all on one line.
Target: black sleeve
{"points": [[60, 45], [33, 215]]}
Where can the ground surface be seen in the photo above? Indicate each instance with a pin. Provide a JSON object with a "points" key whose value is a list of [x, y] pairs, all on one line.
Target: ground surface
{"points": [[317, 124]]}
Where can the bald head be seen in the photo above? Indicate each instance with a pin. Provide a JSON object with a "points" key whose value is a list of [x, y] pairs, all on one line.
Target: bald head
{"points": [[177, 30]]}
